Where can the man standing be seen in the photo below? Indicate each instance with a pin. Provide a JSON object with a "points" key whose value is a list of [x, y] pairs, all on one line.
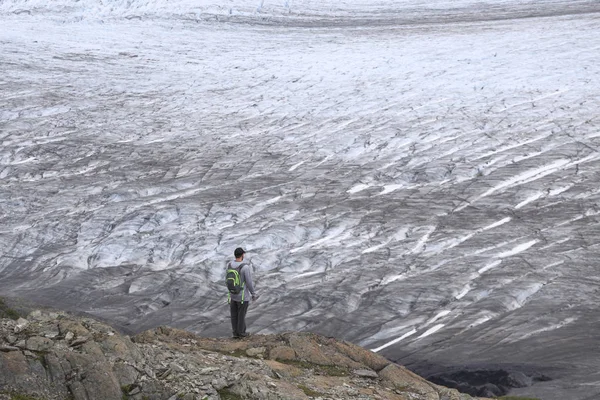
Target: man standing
{"points": [[239, 302]]}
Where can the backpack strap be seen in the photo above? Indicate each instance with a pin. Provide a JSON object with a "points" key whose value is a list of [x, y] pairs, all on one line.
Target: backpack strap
{"points": [[242, 265], [239, 267]]}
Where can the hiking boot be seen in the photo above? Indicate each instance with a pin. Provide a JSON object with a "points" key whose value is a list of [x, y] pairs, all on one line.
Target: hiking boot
{"points": [[243, 335]]}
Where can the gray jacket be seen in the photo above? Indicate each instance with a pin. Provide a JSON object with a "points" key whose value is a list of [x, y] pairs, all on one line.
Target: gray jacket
{"points": [[245, 276]]}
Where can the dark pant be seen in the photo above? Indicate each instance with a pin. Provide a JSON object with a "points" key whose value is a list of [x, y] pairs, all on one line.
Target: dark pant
{"points": [[238, 317]]}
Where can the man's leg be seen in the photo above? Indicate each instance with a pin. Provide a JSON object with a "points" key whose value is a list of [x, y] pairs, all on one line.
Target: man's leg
{"points": [[233, 308], [242, 310]]}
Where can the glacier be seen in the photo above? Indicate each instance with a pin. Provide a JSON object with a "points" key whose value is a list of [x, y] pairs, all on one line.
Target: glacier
{"points": [[418, 177]]}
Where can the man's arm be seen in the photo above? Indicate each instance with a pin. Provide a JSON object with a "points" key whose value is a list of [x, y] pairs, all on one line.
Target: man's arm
{"points": [[248, 279]]}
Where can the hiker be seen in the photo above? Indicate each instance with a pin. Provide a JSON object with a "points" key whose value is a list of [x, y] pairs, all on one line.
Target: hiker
{"points": [[241, 291]]}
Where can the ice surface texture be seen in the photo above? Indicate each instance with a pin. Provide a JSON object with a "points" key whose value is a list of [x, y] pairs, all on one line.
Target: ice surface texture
{"points": [[423, 171]]}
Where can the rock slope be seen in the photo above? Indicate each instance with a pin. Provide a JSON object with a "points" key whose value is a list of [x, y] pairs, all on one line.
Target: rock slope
{"points": [[54, 355]]}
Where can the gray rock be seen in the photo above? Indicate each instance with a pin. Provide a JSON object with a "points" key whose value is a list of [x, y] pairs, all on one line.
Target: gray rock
{"points": [[38, 343], [164, 374], [97, 367], [149, 372], [79, 341], [490, 390], [50, 334], [69, 336], [219, 384], [96, 377], [518, 380], [126, 374], [365, 373], [176, 367], [68, 325], [27, 375], [255, 351], [21, 325], [135, 390], [282, 353], [208, 370]]}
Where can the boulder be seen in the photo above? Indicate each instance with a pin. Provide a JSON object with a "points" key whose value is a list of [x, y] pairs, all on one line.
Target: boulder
{"points": [[22, 323], [490, 390], [27, 375], [283, 370], [219, 383], [79, 341], [208, 370], [176, 367], [448, 394], [401, 378], [365, 373], [255, 351], [363, 356], [68, 325], [51, 334], [11, 339], [121, 347], [13, 367], [94, 378], [38, 343], [93, 349], [284, 353], [255, 387], [308, 350], [518, 380], [126, 374]]}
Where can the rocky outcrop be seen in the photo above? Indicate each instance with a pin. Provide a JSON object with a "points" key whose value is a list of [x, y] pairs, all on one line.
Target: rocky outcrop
{"points": [[53, 355], [487, 382]]}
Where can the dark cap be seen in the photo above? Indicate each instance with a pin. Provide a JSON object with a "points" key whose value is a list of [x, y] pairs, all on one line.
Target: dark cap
{"points": [[238, 252]]}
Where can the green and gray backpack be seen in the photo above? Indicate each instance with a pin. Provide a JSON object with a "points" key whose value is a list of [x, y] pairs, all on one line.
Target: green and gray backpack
{"points": [[234, 281]]}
